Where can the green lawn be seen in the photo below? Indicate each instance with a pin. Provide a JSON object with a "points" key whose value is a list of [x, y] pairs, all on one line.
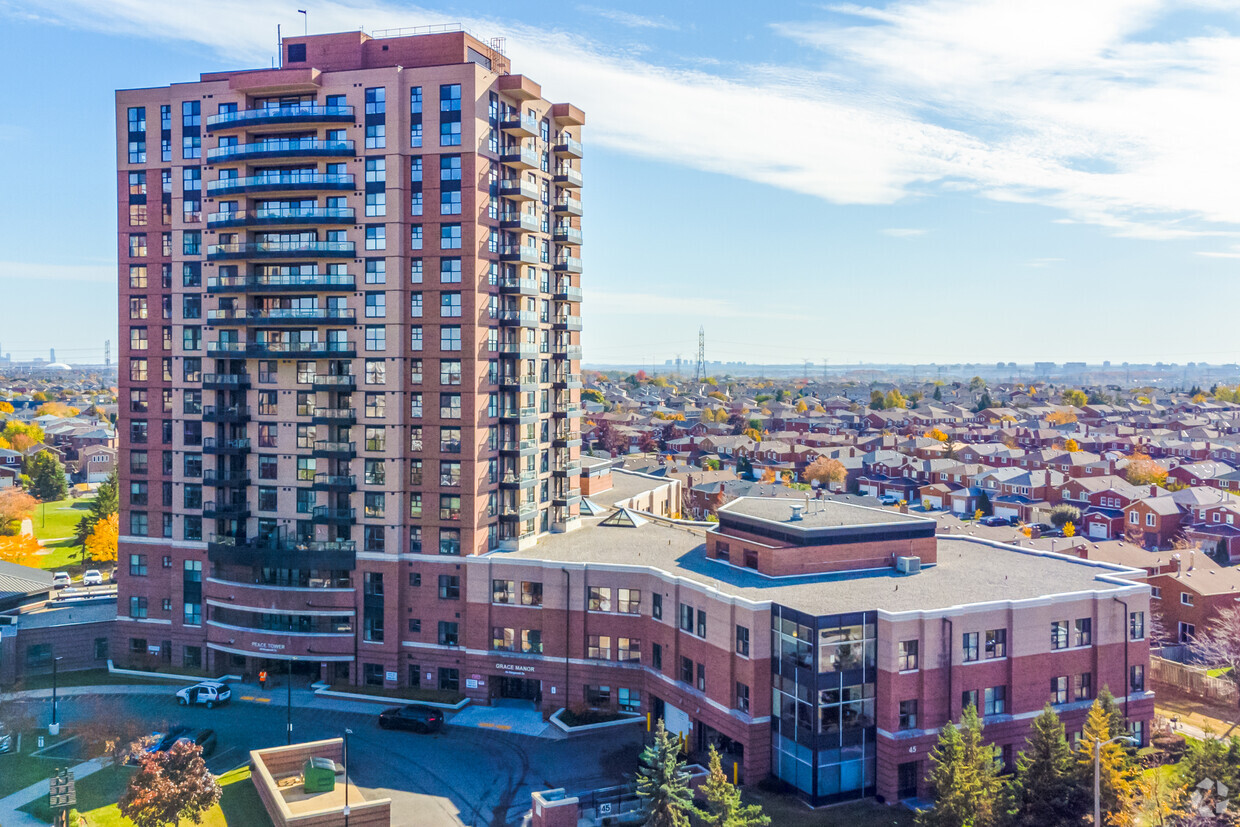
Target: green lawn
{"points": [[790, 811], [53, 523], [21, 770], [97, 795], [89, 677]]}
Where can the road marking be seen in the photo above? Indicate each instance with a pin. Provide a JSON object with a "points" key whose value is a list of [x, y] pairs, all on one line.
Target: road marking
{"points": [[256, 699], [493, 726]]}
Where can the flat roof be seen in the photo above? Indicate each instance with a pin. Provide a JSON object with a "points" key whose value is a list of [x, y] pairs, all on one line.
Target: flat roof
{"points": [[817, 514], [626, 484], [96, 610], [968, 571]]}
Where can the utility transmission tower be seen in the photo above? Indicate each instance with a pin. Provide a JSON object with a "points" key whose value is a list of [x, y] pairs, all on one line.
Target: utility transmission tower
{"points": [[700, 373], [107, 353]]}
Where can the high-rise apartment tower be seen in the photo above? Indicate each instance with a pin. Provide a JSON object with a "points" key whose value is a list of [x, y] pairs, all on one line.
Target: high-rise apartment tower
{"points": [[349, 292]]}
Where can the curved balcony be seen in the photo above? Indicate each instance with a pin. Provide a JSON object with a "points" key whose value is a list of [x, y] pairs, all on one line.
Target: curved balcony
{"points": [[300, 283], [282, 182], [275, 115], [282, 249], [225, 447], [309, 646], [282, 216], [339, 555], [290, 316], [281, 148], [284, 599]]}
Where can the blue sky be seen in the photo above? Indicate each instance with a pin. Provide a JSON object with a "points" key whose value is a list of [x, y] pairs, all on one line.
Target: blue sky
{"points": [[933, 181]]}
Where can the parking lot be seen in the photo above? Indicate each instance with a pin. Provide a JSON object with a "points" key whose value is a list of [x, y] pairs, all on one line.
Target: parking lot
{"points": [[461, 775]]}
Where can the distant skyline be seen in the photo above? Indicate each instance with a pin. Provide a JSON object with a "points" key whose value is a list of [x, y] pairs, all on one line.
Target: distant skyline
{"points": [[943, 180]]}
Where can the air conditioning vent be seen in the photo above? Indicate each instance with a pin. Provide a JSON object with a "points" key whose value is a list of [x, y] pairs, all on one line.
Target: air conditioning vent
{"points": [[908, 565]]}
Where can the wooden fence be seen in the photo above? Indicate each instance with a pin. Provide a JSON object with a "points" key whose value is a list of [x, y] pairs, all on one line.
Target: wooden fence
{"points": [[1191, 680]]}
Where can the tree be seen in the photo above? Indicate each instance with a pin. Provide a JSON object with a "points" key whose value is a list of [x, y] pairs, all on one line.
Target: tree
{"points": [[938, 393], [894, 399], [1071, 446], [963, 776], [1075, 398], [977, 383], [1069, 529], [983, 402], [802, 406], [15, 506], [1218, 644], [1061, 417], [723, 800], [593, 395], [117, 736], [1115, 768], [936, 433], [983, 504], [57, 409], [647, 444], [47, 477], [768, 475], [1044, 790], [826, 470], [1142, 470], [24, 433], [170, 786], [101, 545], [20, 549], [1215, 758], [6, 407], [663, 782], [876, 400], [1064, 513], [38, 396]]}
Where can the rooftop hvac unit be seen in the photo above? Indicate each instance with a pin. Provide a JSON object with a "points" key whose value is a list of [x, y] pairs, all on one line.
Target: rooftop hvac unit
{"points": [[908, 565]]}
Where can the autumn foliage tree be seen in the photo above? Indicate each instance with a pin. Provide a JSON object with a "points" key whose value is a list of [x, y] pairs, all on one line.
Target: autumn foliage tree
{"points": [[1061, 417], [170, 786], [826, 471], [1075, 398], [101, 545], [935, 433], [20, 549], [15, 506], [1142, 470]]}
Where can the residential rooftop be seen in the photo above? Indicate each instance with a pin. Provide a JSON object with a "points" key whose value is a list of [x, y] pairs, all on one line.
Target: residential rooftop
{"points": [[817, 513]]}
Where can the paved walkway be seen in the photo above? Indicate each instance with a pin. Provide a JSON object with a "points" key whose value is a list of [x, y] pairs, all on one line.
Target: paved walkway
{"points": [[11, 816], [502, 718]]}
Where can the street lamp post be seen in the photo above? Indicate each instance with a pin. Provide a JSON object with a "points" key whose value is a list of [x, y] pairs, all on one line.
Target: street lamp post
{"points": [[54, 729], [289, 707], [1098, 745], [347, 733]]}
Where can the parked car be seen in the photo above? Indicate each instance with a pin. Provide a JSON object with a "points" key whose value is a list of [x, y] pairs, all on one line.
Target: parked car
{"points": [[92, 577], [414, 717], [992, 521], [61, 580], [203, 738], [889, 499], [1056, 532], [209, 693], [161, 741], [6, 740], [1042, 527]]}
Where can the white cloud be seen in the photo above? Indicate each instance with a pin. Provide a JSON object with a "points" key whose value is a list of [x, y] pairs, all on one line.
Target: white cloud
{"points": [[632, 21], [1081, 107], [29, 272], [904, 232]]}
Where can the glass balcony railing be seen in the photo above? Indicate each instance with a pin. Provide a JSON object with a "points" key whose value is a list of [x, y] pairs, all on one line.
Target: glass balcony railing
{"points": [[282, 215], [281, 181], [280, 148], [282, 249], [299, 113]]}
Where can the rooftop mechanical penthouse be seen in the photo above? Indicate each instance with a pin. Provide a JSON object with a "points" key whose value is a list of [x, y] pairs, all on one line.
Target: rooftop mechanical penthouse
{"points": [[350, 292]]}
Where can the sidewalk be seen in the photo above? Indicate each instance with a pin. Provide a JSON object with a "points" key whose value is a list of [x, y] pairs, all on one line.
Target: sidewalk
{"points": [[1195, 717], [10, 816]]}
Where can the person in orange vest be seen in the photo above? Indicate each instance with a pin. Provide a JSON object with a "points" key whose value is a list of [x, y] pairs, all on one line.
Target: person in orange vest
{"points": [[262, 678]]}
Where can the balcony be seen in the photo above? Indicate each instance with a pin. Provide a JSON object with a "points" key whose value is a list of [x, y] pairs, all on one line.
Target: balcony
{"points": [[567, 264], [278, 216], [566, 438], [569, 178], [523, 126], [226, 479], [525, 350], [225, 381], [333, 416], [519, 157], [519, 287], [334, 450], [344, 382], [282, 316], [518, 318], [281, 182], [275, 115], [225, 447], [566, 496], [281, 249], [520, 511], [566, 380], [512, 382], [566, 351], [301, 283], [572, 410], [568, 147], [239, 510], [566, 292], [567, 467], [512, 412], [521, 221], [566, 234], [337, 516], [519, 190], [339, 555], [523, 253], [520, 447], [225, 414], [568, 323], [518, 480], [285, 350], [280, 148], [334, 482], [567, 206]]}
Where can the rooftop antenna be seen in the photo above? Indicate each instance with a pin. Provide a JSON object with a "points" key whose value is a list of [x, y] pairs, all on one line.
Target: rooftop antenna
{"points": [[306, 18], [700, 372]]}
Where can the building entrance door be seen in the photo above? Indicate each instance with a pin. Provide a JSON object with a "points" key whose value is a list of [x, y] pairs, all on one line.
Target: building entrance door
{"points": [[517, 689], [906, 779]]}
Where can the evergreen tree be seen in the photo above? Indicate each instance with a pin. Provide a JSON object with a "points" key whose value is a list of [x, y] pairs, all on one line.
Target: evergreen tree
{"points": [[1044, 791], [964, 777], [724, 807], [663, 782], [107, 503], [938, 393], [47, 477], [1115, 768], [983, 402]]}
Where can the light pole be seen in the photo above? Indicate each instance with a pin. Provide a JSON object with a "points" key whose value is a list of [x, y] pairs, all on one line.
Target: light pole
{"points": [[54, 729], [289, 686], [347, 733], [1098, 745]]}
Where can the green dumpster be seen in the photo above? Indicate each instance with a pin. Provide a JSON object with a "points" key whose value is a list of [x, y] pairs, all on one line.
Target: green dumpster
{"points": [[319, 775]]}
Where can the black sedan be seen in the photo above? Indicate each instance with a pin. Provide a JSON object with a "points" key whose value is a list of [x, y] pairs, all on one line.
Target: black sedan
{"points": [[993, 521], [415, 717]]}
